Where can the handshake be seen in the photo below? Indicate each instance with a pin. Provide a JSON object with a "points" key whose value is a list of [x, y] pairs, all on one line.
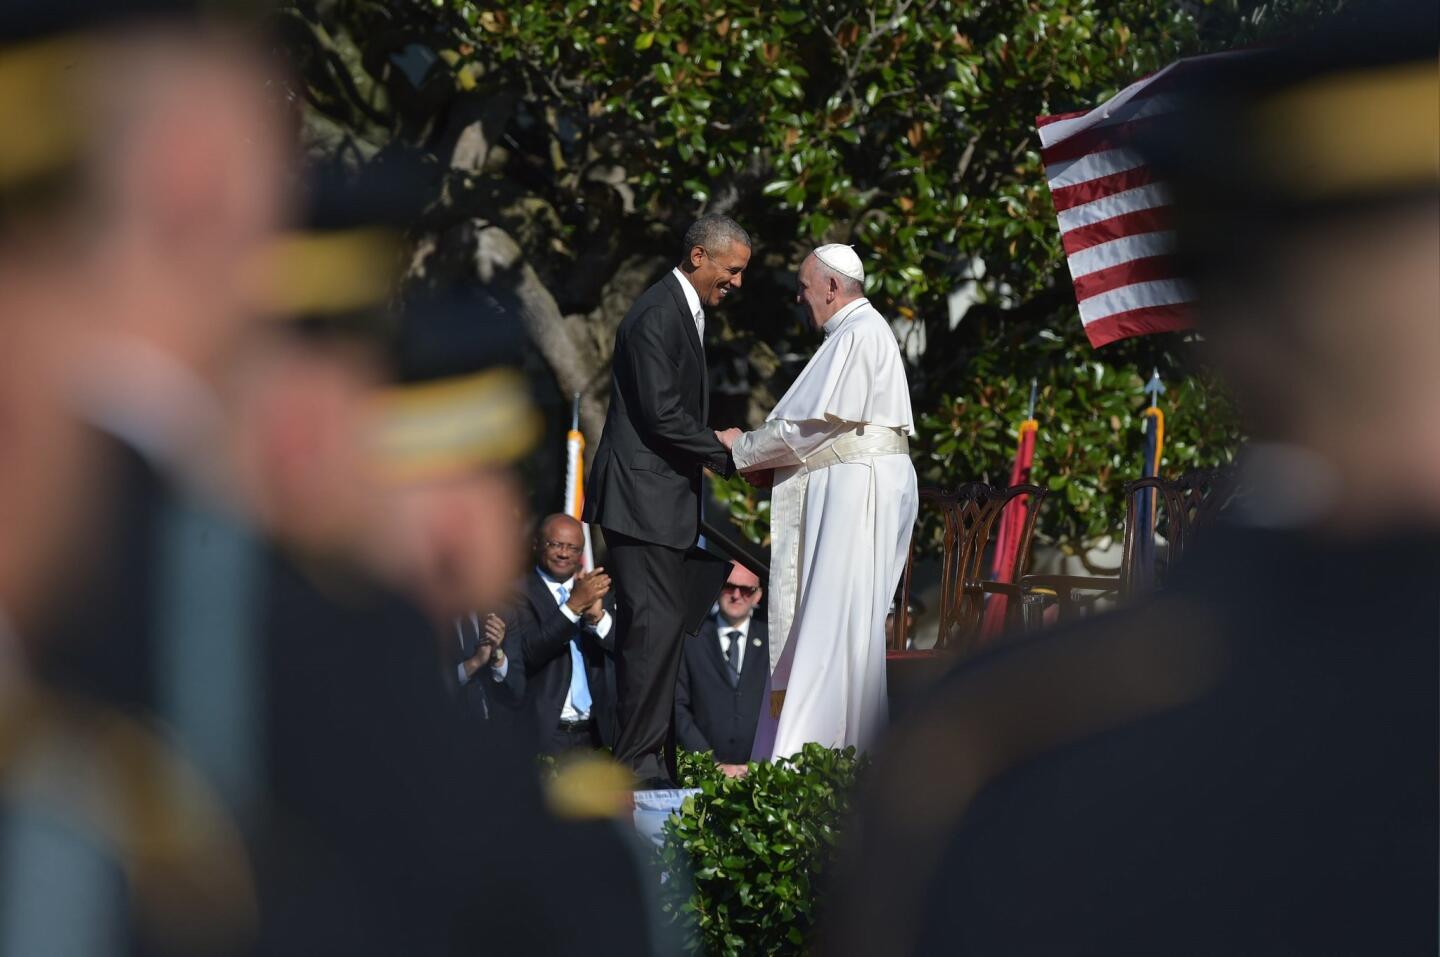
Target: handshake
{"points": [[760, 478]]}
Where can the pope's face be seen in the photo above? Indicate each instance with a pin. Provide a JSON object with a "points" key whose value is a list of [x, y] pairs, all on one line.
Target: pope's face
{"points": [[718, 272], [813, 293]]}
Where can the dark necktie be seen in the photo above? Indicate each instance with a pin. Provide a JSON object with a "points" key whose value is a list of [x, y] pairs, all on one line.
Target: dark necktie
{"points": [[732, 657]]}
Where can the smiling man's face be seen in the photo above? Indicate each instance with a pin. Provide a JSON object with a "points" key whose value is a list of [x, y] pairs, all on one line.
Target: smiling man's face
{"points": [[718, 272]]}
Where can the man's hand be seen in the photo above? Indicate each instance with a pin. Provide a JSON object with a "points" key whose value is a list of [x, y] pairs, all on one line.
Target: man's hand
{"points": [[595, 612], [494, 630], [760, 478], [733, 770], [728, 437], [590, 587], [480, 659]]}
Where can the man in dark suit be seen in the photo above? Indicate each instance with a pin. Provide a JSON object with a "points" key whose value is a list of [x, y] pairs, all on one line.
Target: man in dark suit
{"points": [[645, 491], [491, 675], [563, 622], [722, 676]]}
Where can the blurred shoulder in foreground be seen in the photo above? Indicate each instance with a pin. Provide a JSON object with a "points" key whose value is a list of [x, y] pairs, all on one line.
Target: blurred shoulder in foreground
{"points": [[1246, 762]]}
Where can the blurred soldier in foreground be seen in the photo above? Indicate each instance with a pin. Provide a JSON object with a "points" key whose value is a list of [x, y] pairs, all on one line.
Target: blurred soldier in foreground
{"points": [[456, 538], [253, 748], [1246, 764], [380, 444], [123, 207]]}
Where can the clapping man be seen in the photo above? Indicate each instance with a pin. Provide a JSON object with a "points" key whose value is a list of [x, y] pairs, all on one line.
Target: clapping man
{"points": [[722, 676], [568, 637], [489, 681]]}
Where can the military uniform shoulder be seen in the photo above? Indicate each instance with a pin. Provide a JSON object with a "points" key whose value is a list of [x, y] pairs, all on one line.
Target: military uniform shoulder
{"points": [[1012, 707], [1007, 707]]}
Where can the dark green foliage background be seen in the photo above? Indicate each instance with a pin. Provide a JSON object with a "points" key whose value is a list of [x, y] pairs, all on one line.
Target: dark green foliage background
{"points": [[905, 127]]}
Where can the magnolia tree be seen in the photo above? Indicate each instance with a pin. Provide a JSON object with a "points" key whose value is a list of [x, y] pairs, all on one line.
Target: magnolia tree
{"points": [[571, 142]]}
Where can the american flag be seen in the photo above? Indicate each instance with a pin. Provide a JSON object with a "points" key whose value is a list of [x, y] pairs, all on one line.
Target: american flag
{"points": [[1115, 216]]}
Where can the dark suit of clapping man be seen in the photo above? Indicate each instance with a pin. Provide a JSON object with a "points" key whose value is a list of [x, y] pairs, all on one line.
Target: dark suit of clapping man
{"points": [[566, 636], [483, 662], [645, 491], [722, 677]]}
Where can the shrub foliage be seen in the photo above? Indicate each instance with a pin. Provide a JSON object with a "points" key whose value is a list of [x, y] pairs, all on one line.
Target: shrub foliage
{"points": [[756, 850]]}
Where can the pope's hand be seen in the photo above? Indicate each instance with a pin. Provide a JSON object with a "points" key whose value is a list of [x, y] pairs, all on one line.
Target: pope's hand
{"points": [[728, 437]]}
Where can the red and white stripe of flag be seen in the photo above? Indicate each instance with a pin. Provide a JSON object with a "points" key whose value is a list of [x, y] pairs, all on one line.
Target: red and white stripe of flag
{"points": [[1115, 216]]}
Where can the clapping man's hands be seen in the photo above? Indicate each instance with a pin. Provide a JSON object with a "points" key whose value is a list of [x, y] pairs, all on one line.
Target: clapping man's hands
{"points": [[590, 590], [494, 638], [488, 650]]}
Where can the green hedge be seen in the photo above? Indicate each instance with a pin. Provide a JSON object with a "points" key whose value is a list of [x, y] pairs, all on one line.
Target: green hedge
{"points": [[756, 850]]}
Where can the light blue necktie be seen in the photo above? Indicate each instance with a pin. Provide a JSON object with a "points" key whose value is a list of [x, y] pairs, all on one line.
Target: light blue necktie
{"points": [[579, 687]]}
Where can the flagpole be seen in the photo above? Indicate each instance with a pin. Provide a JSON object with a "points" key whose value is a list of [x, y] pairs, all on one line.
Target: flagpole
{"points": [[1150, 468], [1012, 521], [575, 477]]}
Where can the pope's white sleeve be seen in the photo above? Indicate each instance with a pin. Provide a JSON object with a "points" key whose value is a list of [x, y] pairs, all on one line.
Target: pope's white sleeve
{"points": [[780, 443]]}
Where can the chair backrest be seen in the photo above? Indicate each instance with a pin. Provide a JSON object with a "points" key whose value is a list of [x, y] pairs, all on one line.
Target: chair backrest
{"points": [[1184, 505], [970, 515]]}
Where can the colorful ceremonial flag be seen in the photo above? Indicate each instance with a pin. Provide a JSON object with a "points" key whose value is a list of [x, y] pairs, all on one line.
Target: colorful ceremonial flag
{"points": [[1012, 524], [575, 478], [1115, 217], [1145, 510]]}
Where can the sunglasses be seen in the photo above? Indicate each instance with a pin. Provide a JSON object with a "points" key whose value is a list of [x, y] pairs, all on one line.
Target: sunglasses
{"points": [[746, 590]]}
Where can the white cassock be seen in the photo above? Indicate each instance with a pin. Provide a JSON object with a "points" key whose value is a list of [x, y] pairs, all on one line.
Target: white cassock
{"points": [[841, 513]]}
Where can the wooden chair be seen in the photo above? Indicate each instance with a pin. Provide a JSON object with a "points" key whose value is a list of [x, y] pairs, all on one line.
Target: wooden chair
{"points": [[1183, 506], [969, 514]]}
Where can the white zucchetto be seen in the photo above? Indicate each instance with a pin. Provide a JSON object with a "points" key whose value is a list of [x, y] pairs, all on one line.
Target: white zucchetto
{"points": [[842, 259]]}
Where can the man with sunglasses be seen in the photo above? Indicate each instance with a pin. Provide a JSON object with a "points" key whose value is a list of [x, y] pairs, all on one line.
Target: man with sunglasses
{"points": [[722, 676], [645, 486]]}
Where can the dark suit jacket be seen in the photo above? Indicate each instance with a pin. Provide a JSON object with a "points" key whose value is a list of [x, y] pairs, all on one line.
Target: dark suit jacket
{"points": [[709, 714], [482, 697], [645, 480], [545, 635]]}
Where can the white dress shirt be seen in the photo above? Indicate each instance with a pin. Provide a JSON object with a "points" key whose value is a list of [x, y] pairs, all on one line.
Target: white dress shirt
{"points": [[724, 627], [600, 629], [692, 298]]}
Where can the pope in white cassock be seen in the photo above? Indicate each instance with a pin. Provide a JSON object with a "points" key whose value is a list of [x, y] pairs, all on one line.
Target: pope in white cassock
{"points": [[842, 509]]}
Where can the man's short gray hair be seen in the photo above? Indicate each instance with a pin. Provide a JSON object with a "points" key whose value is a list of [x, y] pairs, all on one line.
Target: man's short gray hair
{"points": [[848, 284], [714, 232]]}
